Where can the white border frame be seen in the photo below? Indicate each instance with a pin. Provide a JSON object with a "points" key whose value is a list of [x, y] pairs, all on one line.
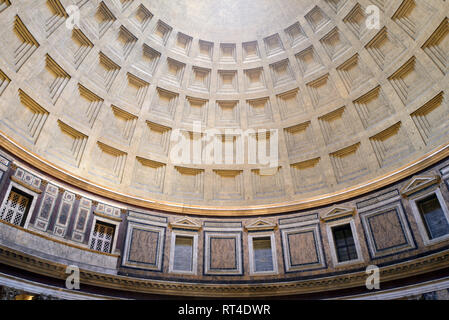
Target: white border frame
{"points": [[146, 226], [252, 266], [330, 237], [193, 235], [57, 225], [223, 233], [309, 225], [114, 240], [364, 216], [419, 220], [27, 191]]}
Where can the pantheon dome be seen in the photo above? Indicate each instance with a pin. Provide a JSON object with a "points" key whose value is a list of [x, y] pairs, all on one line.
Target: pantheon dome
{"points": [[281, 149]]}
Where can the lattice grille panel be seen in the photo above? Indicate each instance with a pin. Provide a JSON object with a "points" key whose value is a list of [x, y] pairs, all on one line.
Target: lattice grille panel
{"points": [[15, 208], [102, 237]]}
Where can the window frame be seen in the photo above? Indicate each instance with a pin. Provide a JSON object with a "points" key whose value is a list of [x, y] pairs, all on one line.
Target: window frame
{"points": [[33, 195], [251, 253], [114, 238], [422, 227], [346, 231], [171, 265], [333, 249]]}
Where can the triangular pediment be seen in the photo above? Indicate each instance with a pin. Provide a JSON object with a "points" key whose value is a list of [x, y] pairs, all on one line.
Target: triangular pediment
{"points": [[418, 183], [186, 223], [261, 224], [338, 212]]}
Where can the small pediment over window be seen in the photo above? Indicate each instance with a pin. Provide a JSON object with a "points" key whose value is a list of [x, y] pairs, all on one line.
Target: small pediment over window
{"points": [[419, 183], [338, 213], [261, 225], [185, 223]]}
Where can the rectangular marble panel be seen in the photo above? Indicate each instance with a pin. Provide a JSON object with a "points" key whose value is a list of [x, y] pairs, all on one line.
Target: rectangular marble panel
{"points": [[47, 206], [387, 230], [144, 246], [302, 248], [223, 253]]}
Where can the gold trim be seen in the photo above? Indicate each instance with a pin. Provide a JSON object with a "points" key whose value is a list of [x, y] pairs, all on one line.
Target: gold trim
{"points": [[24, 297], [57, 240], [25, 185], [59, 173]]}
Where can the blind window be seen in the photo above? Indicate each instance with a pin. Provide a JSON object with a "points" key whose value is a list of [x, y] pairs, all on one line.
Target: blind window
{"points": [[263, 256], [183, 258]]}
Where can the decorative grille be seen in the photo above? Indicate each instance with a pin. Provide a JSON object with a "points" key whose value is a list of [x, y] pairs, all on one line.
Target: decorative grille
{"points": [[15, 208], [102, 238]]}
